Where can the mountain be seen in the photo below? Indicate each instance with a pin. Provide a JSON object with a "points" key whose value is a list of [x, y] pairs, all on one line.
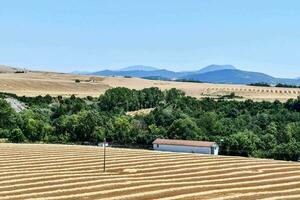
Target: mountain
{"points": [[139, 68], [142, 71], [233, 76], [239, 77], [80, 72], [139, 73], [212, 68], [212, 74]]}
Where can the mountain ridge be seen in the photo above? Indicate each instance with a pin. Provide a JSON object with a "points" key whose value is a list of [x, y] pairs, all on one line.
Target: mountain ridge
{"points": [[212, 74], [139, 68], [215, 67]]}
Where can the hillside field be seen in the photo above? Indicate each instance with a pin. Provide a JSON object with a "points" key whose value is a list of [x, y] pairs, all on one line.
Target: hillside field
{"points": [[56, 172], [42, 83]]}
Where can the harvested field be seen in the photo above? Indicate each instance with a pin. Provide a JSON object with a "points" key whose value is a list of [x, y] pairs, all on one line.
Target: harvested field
{"points": [[42, 83], [54, 172]]}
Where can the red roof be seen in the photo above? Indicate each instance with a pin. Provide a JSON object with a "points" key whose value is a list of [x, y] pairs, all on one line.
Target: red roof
{"points": [[184, 143]]}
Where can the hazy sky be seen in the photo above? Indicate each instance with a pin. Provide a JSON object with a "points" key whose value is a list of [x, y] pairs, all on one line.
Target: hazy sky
{"points": [[67, 35]]}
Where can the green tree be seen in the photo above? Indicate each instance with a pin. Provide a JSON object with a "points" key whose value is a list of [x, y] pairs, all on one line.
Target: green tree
{"points": [[122, 131], [184, 129], [173, 95], [287, 151], [7, 115], [243, 143], [16, 136]]}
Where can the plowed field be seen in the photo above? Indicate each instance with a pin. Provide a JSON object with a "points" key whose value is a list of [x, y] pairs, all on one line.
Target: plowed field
{"points": [[55, 172]]}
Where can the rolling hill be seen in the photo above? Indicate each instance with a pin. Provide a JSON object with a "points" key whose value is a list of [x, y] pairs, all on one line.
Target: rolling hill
{"points": [[7, 69]]}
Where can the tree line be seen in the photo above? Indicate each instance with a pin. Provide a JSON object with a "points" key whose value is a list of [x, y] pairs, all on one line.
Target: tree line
{"points": [[243, 128], [279, 85]]}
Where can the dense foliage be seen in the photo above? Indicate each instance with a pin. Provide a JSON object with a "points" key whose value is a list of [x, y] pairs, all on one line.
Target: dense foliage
{"points": [[260, 84], [280, 85], [287, 86], [245, 128]]}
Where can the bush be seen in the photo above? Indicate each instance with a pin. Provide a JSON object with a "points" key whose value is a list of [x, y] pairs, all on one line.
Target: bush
{"points": [[77, 81]]}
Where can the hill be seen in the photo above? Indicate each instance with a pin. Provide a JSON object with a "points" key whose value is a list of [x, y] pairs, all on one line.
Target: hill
{"points": [[212, 68], [239, 77], [50, 172], [142, 71], [7, 69], [42, 83], [166, 74], [232, 76], [139, 68]]}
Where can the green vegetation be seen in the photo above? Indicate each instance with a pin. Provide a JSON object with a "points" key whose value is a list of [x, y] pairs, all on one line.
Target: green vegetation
{"points": [[280, 85], [287, 86], [260, 84], [244, 128], [232, 95]]}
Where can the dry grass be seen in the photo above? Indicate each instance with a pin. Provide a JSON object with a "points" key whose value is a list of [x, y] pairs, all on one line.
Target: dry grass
{"points": [[42, 83], [75, 172], [140, 112]]}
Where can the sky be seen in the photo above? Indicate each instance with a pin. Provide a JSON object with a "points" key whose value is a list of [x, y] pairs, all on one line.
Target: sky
{"points": [[91, 35]]}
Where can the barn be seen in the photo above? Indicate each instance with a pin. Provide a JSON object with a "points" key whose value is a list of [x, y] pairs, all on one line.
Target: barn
{"points": [[189, 146]]}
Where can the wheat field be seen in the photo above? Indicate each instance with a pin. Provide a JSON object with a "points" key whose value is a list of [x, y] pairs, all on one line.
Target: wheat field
{"points": [[61, 172], [43, 83]]}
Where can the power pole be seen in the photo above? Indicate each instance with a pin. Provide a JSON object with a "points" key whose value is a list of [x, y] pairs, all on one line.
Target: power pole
{"points": [[104, 154]]}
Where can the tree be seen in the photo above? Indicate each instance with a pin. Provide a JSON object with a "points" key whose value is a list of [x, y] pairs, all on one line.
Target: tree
{"points": [[243, 143], [117, 98], [7, 115], [288, 151], [122, 130], [184, 129], [16, 136], [33, 124], [173, 95]]}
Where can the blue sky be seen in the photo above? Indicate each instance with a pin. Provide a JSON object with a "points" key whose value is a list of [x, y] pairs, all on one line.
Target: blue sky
{"points": [[67, 35]]}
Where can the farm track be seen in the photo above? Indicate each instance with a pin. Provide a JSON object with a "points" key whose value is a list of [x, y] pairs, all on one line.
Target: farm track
{"points": [[53, 172]]}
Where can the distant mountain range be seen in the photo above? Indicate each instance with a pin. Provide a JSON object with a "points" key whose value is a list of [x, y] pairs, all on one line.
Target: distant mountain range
{"points": [[212, 68], [139, 68], [211, 74]]}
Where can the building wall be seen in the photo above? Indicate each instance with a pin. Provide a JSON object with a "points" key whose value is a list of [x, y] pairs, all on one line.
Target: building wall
{"points": [[216, 150], [188, 149]]}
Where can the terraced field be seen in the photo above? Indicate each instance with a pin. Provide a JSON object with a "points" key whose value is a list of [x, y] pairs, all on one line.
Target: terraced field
{"points": [[56, 172]]}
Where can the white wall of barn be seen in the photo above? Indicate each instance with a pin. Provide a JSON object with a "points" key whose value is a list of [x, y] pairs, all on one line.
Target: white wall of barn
{"points": [[187, 149]]}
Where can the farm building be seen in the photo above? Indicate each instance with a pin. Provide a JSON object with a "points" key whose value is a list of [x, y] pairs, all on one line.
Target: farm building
{"points": [[188, 146]]}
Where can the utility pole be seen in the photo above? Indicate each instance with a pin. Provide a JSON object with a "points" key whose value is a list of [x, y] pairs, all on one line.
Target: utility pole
{"points": [[104, 154]]}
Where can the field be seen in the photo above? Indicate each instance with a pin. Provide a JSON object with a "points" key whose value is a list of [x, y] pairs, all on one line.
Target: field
{"points": [[42, 83], [40, 171]]}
